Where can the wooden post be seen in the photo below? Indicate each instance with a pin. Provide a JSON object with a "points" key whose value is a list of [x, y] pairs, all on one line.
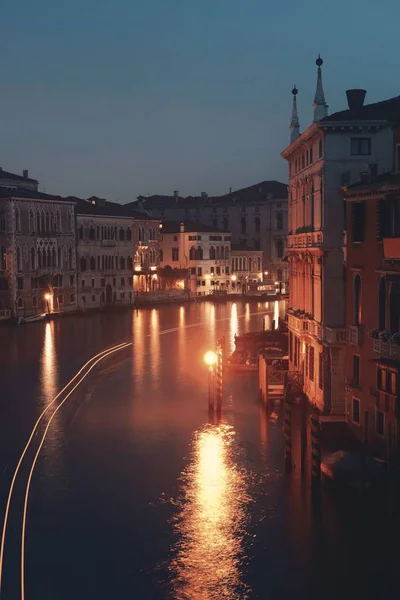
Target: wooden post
{"points": [[287, 428], [211, 389], [315, 447], [219, 376]]}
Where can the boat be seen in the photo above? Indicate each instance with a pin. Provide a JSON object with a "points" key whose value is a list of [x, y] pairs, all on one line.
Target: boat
{"points": [[32, 319]]}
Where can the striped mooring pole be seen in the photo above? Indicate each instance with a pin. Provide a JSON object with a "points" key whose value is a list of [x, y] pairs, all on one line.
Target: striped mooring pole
{"points": [[219, 375], [315, 447], [287, 429]]}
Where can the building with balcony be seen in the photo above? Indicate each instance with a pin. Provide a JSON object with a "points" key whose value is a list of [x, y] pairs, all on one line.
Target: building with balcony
{"points": [[117, 253], [246, 269], [330, 153], [37, 252], [373, 310], [205, 251], [256, 216]]}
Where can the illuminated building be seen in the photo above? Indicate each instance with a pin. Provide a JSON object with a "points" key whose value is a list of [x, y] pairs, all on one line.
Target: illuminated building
{"points": [[246, 266]]}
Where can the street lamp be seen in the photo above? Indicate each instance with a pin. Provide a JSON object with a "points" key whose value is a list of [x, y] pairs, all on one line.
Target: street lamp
{"points": [[233, 277], [47, 297], [210, 358]]}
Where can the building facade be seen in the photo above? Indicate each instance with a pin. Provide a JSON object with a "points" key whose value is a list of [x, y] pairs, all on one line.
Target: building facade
{"points": [[373, 311], [255, 216], [203, 250], [117, 253], [330, 153], [246, 269], [37, 245]]}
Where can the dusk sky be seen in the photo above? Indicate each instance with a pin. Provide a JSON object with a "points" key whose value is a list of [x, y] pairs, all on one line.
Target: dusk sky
{"points": [[122, 98]]}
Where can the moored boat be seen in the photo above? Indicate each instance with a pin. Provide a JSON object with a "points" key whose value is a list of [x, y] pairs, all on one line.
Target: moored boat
{"points": [[32, 319]]}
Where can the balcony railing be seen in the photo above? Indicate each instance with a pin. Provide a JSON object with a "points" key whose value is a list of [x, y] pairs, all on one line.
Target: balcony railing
{"points": [[335, 336], [355, 335], [386, 349], [313, 239]]}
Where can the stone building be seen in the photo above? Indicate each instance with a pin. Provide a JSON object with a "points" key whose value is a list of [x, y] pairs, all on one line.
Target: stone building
{"points": [[23, 181], [373, 310], [115, 246], [330, 153], [256, 217], [204, 250], [246, 268], [37, 252]]}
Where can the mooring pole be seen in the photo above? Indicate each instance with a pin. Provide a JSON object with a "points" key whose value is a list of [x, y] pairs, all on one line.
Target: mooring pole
{"points": [[287, 428], [219, 378], [315, 447], [211, 389]]}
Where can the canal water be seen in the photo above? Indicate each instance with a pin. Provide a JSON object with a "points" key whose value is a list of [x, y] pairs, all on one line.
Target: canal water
{"points": [[136, 494]]}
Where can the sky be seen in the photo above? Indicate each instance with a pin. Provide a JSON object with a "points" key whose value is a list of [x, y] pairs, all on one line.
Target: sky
{"points": [[129, 97]]}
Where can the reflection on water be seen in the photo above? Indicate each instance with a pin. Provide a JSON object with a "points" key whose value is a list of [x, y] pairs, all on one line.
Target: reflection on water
{"points": [[155, 344], [49, 371], [212, 521], [138, 345], [276, 314], [233, 326]]}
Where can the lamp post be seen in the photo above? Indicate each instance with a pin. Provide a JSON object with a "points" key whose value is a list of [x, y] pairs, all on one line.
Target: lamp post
{"points": [[210, 358], [47, 297]]}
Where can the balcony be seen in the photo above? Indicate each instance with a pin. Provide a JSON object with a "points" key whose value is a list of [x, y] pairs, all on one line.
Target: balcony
{"points": [[335, 335], [313, 239], [386, 349], [355, 335], [391, 248]]}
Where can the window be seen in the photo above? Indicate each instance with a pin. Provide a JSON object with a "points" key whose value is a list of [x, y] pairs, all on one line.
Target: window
{"points": [[226, 270], [81, 232], [121, 235], [60, 299], [279, 221], [128, 234], [199, 271], [20, 283], [257, 224], [92, 283], [17, 220], [71, 280], [394, 307], [34, 302], [83, 264], [358, 221], [357, 300], [382, 304], [103, 282], [380, 423], [193, 270], [192, 253], [72, 298], [320, 149], [355, 415], [91, 233], [122, 281], [388, 220], [311, 365], [212, 253], [279, 248], [218, 270], [311, 156], [321, 370], [20, 303], [33, 259], [199, 253], [175, 254], [243, 224], [160, 255], [122, 263], [212, 269], [70, 258], [360, 146], [356, 370], [306, 361], [3, 260], [19, 265], [92, 263]]}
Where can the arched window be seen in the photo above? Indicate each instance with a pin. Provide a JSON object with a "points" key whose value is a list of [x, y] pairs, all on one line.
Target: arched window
{"points": [[39, 256], [53, 257], [47, 222], [259, 264], [31, 221], [19, 264], [70, 258], [128, 234], [212, 253], [121, 235], [395, 307], [2, 220], [122, 263], [59, 257], [37, 221], [226, 251], [69, 222], [83, 264], [129, 263], [232, 264], [20, 302], [217, 252], [3, 260], [17, 220], [161, 255], [240, 264], [33, 259], [192, 253], [382, 304], [249, 264], [91, 233], [236, 264], [279, 274], [199, 253], [42, 225], [357, 300], [92, 263], [279, 220], [222, 252], [44, 258]]}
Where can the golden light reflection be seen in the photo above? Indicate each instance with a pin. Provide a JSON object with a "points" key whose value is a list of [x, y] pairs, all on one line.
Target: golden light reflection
{"points": [[138, 347], [233, 326], [247, 313], [276, 314], [49, 366], [154, 356], [209, 562]]}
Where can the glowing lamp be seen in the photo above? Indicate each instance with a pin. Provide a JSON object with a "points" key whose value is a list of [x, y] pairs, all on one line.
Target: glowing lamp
{"points": [[47, 296], [153, 268], [138, 268], [210, 358], [266, 273], [233, 277]]}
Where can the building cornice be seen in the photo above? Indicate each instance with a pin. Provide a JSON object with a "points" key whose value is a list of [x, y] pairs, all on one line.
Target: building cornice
{"points": [[300, 141]]}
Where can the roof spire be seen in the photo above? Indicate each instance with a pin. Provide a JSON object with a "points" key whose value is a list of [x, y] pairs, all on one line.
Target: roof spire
{"points": [[320, 107], [294, 121]]}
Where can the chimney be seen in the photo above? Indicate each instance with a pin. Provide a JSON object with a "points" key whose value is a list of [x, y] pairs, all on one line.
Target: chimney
{"points": [[372, 172], [204, 195], [182, 228], [25, 173], [355, 98], [176, 194]]}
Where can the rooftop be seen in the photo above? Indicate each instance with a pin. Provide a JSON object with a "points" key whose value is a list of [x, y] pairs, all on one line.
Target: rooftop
{"points": [[380, 182], [265, 190], [190, 227], [16, 192], [14, 176], [386, 110], [101, 207]]}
